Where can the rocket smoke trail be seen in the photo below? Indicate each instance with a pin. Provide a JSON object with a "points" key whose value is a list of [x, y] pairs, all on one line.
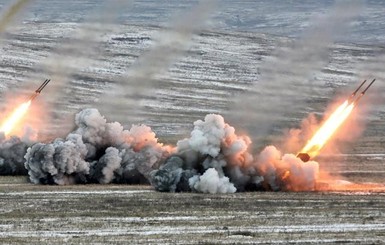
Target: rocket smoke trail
{"points": [[139, 80], [287, 75], [69, 58], [7, 16], [73, 56]]}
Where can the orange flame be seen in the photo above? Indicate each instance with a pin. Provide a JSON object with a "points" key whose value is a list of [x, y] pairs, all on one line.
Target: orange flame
{"points": [[286, 175], [326, 131], [11, 122]]}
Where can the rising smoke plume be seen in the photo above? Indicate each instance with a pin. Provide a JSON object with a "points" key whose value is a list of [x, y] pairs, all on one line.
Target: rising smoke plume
{"points": [[96, 152], [217, 160]]}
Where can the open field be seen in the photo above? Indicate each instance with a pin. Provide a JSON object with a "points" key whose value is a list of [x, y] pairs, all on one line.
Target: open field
{"points": [[120, 214]]}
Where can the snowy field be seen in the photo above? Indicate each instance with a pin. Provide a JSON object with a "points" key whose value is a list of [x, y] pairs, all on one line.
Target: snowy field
{"points": [[96, 214]]}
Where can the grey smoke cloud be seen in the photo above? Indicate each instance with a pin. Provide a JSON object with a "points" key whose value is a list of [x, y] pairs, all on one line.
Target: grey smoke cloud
{"points": [[213, 160], [12, 153], [217, 160], [97, 151]]}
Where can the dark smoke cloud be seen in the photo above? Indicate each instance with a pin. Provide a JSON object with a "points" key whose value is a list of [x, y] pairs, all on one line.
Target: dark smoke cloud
{"points": [[217, 160], [97, 151], [13, 149], [12, 153]]}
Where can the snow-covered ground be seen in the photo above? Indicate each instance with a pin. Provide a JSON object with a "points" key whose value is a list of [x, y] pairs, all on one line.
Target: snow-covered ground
{"points": [[128, 214]]}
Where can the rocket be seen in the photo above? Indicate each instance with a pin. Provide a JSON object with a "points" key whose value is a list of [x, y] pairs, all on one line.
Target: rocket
{"points": [[355, 91], [364, 91], [353, 99], [39, 89]]}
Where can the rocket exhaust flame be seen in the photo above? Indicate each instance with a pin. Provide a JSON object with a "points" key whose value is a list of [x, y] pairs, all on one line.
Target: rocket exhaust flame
{"points": [[14, 118], [12, 121], [325, 132], [330, 126]]}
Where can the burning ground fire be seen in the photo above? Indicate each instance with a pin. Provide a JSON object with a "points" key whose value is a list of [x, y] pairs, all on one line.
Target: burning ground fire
{"points": [[213, 160]]}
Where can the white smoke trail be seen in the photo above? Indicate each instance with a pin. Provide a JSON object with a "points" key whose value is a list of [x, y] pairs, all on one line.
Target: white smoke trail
{"points": [[139, 81], [10, 13], [8, 16], [71, 56]]}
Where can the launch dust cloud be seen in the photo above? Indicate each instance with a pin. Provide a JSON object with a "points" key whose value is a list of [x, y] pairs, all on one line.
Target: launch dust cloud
{"points": [[213, 160]]}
